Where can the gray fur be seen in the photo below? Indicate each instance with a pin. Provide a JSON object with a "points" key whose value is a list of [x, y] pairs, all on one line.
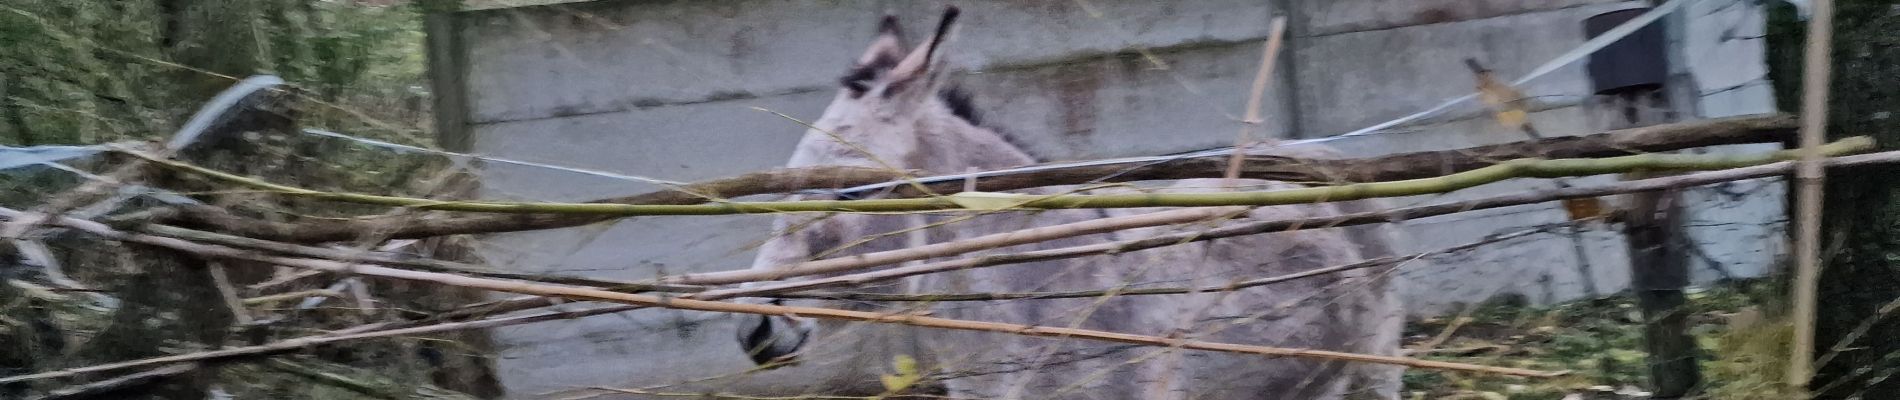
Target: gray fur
{"points": [[1354, 311]]}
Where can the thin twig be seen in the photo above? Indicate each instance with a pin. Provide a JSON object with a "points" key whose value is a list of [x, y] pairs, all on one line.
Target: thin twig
{"points": [[296, 344], [1712, 132], [286, 278], [100, 389], [222, 280], [333, 379], [756, 183], [397, 259], [1463, 317], [1272, 226], [268, 299], [381, 330], [1250, 283], [592, 294], [1260, 80], [1519, 168], [359, 291], [1005, 239], [1371, 217]]}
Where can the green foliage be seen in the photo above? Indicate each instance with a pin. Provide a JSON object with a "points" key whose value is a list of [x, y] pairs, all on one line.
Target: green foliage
{"points": [[1861, 225], [1601, 343], [1755, 360], [87, 72], [67, 68], [309, 378], [101, 71]]}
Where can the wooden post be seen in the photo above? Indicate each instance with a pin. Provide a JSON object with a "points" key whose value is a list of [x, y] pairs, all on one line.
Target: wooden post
{"points": [[1659, 272], [448, 73], [1634, 81], [1659, 268]]}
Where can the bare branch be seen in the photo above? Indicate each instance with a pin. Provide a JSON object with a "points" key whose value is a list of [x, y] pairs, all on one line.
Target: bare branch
{"points": [[229, 293], [1005, 239], [268, 299], [396, 259], [1250, 283], [768, 182], [381, 330], [1656, 138], [117, 386], [1252, 228], [292, 345], [1395, 215], [1739, 130], [593, 294], [1261, 77], [1518, 168]]}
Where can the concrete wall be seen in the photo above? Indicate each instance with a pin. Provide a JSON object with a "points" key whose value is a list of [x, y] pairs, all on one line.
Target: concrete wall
{"points": [[667, 88], [1354, 73]]}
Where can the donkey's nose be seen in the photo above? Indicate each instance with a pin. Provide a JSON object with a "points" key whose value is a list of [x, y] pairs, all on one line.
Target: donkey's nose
{"points": [[772, 341]]}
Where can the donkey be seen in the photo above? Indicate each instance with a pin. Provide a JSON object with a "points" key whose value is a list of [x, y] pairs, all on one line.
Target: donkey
{"points": [[896, 108]]}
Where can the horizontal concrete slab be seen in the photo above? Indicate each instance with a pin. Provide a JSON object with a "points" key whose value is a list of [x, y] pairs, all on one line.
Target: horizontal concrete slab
{"points": [[1123, 105], [1722, 43], [1349, 81], [593, 57], [683, 143], [1341, 16]]}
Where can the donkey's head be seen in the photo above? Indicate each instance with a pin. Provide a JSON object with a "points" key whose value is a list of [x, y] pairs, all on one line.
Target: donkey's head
{"points": [[895, 107], [891, 97]]}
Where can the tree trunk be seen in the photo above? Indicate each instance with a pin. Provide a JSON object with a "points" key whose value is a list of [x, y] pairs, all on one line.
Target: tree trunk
{"points": [[1860, 241]]}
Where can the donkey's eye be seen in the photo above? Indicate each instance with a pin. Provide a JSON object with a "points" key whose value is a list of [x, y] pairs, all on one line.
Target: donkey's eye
{"points": [[859, 86]]}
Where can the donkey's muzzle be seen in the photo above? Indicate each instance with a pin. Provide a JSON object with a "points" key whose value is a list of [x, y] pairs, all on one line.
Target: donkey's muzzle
{"points": [[771, 340]]}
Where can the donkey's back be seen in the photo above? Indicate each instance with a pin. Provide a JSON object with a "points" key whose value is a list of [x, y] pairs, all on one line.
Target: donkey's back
{"points": [[1351, 311]]}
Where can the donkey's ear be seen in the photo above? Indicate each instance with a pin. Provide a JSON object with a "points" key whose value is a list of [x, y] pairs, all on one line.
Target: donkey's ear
{"points": [[928, 57], [887, 48]]}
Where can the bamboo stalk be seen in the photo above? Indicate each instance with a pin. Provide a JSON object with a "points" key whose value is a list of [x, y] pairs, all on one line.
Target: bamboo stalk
{"points": [[394, 329], [1395, 215], [291, 345], [1250, 283], [394, 259], [593, 294], [1519, 168], [100, 389], [968, 263], [1816, 72], [1719, 131], [1005, 239], [680, 283]]}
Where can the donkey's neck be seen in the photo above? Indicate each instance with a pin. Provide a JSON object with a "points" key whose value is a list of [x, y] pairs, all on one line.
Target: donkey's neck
{"points": [[954, 145]]}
